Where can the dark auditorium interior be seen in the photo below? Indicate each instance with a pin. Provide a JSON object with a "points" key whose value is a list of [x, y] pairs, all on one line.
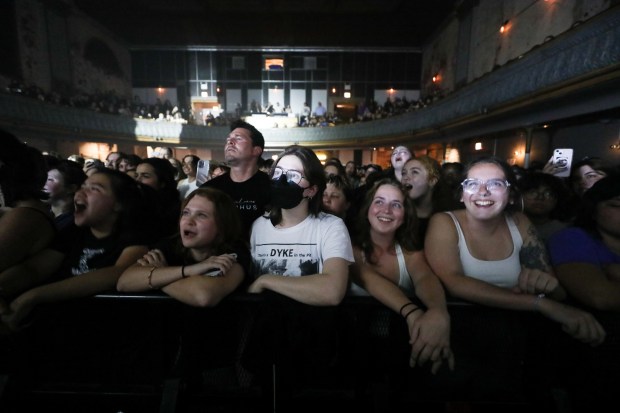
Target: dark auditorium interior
{"points": [[450, 79]]}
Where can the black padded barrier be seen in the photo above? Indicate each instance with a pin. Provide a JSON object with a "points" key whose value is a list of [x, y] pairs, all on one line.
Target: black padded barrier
{"points": [[266, 353]]}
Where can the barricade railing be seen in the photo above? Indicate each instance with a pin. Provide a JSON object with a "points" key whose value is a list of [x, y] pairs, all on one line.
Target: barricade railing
{"points": [[148, 352]]}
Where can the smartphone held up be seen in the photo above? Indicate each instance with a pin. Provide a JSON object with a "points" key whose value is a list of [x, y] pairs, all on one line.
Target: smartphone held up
{"points": [[560, 162], [202, 172]]}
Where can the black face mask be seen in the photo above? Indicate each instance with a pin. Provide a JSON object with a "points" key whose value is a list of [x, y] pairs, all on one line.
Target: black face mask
{"points": [[285, 194]]}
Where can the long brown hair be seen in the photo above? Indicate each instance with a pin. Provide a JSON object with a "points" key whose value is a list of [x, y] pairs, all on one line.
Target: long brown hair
{"points": [[405, 234], [226, 218]]}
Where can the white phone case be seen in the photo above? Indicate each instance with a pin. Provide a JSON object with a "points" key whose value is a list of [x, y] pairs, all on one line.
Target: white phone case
{"points": [[562, 161]]}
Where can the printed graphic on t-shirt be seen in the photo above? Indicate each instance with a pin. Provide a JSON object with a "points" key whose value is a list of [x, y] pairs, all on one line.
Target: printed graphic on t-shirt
{"points": [[286, 259], [85, 257], [246, 204]]}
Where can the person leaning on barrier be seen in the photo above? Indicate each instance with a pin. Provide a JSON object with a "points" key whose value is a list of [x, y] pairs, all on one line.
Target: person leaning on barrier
{"points": [[487, 255], [391, 266], [201, 265], [109, 235], [586, 257], [301, 259], [299, 251], [26, 225]]}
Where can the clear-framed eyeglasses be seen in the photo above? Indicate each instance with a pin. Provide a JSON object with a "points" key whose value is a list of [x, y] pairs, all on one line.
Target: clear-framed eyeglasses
{"points": [[495, 186], [291, 174]]}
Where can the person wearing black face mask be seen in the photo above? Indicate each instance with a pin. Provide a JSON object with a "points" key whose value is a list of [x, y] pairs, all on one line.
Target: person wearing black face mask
{"points": [[285, 193], [310, 248], [301, 259]]}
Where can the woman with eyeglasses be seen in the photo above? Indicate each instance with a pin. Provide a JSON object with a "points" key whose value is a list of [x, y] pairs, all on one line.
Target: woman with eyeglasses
{"points": [[489, 254], [299, 251], [301, 259]]}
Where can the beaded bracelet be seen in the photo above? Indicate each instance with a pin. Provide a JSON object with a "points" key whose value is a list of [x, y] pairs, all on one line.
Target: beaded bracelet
{"points": [[150, 276]]}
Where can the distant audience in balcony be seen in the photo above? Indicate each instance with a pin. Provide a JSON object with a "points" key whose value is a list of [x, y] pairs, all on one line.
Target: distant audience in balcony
{"points": [[105, 102], [320, 110], [365, 111], [111, 103]]}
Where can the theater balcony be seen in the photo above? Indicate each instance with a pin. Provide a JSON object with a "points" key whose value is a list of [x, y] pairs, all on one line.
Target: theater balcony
{"points": [[574, 74]]}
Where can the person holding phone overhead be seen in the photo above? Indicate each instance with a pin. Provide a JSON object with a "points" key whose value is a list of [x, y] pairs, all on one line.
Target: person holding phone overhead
{"points": [[560, 163], [203, 173]]}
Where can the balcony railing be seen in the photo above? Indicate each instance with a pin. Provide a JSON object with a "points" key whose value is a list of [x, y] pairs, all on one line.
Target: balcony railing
{"points": [[574, 74]]}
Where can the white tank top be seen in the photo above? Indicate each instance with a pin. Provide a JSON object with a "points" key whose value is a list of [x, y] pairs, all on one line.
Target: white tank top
{"points": [[502, 273], [404, 280]]}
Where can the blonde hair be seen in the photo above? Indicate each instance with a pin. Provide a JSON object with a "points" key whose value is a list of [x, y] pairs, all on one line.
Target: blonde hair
{"points": [[431, 165]]}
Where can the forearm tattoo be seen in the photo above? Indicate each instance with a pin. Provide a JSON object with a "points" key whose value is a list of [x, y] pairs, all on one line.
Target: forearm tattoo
{"points": [[533, 253]]}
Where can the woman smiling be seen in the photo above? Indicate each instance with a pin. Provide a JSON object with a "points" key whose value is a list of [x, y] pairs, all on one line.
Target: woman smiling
{"points": [[391, 266], [489, 255]]}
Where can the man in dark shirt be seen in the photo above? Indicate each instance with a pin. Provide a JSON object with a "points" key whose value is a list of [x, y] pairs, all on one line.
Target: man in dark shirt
{"points": [[247, 186]]}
